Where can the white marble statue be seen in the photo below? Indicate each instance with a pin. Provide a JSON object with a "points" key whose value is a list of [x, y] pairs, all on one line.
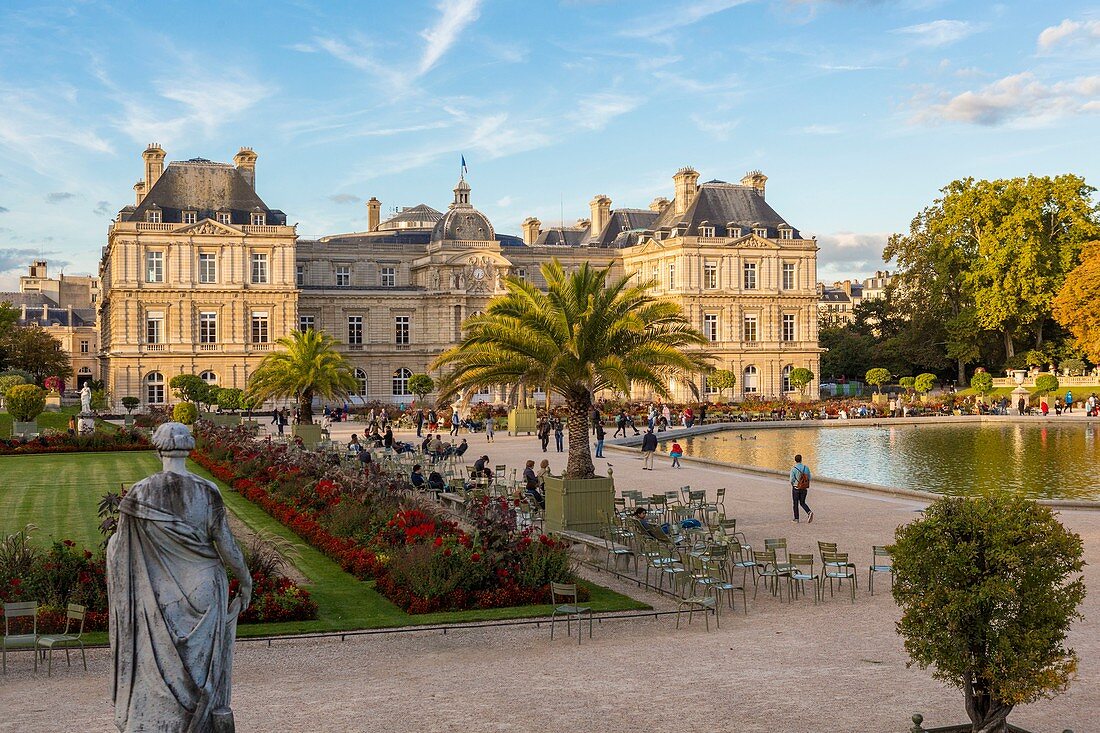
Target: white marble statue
{"points": [[172, 627], [86, 399]]}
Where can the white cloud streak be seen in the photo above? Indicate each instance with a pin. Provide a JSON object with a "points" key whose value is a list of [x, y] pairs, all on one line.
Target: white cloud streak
{"points": [[455, 15], [684, 14], [595, 111], [1069, 33], [1020, 98], [939, 32]]}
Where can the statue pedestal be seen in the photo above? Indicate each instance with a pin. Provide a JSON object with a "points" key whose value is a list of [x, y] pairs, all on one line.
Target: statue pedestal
{"points": [[85, 422], [1019, 392]]}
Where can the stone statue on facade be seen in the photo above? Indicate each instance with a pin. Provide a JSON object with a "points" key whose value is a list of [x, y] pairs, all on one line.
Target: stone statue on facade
{"points": [[172, 627], [86, 400]]}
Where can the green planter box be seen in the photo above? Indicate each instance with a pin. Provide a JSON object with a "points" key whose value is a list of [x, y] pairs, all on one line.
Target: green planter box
{"points": [[24, 429], [224, 420], [310, 434], [128, 421], [579, 505], [522, 421]]}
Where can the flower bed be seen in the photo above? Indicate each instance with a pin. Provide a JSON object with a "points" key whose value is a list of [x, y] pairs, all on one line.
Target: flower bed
{"points": [[375, 528], [63, 442]]}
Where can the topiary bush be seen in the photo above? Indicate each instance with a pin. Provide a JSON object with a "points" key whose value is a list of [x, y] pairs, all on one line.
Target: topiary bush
{"points": [[25, 402], [1046, 383], [185, 412], [10, 380], [130, 403], [877, 377], [982, 382], [906, 383], [1075, 367], [924, 383]]}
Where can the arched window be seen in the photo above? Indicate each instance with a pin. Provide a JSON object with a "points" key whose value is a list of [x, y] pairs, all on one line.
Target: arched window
{"points": [[787, 378], [209, 377], [401, 382], [361, 379], [85, 370], [154, 388], [749, 382]]}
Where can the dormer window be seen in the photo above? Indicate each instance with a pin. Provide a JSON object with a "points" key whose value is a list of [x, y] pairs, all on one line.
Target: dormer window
{"points": [[153, 216], [760, 231], [785, 232], [258, 219], [224, 217], [734, 230], [190, 217], [706, 231]]}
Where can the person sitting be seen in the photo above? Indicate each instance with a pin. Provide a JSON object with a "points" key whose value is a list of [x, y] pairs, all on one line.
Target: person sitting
{"points": [[531, 485], [642, 515], [482, 470], [436, 448], [354, 446], [417, 478], [462, 448], [426, 445], [435, 482], [399, 446], [387, 439]]}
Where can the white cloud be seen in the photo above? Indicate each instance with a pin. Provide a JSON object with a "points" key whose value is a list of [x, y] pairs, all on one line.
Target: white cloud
{"points": [[819, 130], [719, 129], [939, 32], [595, 111], [455, 16], [38, 129], [1069, 32], [1018, 98], [505, 201], [684, 14], [844, 255]]}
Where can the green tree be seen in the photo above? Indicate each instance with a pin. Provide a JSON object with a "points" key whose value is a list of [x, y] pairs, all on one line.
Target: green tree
{"points": [[31, 349], [906, 383], [1046, 383], [1075, 367], [25, 402], [130, 403], [185, 412], [228, 398], [1077, 305], [722, 379], [924, 383], [982, 382], [800, 378], [307, 365], [877, 377], [10, 380], [584, 335], [421, 385], [988, 588], [9, 316], [190, 388], [847, 352]]}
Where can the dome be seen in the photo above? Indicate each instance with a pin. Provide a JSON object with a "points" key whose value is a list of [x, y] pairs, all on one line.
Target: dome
{"points": [[464, 223]]}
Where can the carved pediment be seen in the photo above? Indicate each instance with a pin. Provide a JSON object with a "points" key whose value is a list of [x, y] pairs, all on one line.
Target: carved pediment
{"points": [[751, 241], [207, 226]]}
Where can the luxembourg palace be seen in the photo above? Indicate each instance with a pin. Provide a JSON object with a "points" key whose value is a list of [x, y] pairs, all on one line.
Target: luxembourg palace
{"points": [[200, 276]]}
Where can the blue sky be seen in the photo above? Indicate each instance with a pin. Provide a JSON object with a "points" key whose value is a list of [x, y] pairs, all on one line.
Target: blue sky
{"points": [[857, 111]]}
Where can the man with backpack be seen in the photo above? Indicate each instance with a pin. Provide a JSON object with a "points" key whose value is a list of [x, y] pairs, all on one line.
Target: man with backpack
{"points": [[800, 486]]}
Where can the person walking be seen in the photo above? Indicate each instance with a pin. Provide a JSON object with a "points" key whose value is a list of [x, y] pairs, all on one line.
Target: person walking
{"points": [[596, 419], [420, 422], [490, 426], [620, 424], [1069, 402], [456, 422], [675, 454], [800, 486], [559, 435], [544, 433], [649, 447], [599, 439]]}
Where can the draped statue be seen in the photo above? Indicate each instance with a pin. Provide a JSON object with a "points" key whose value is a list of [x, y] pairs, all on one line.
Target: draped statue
{"points": [[172, 627]]}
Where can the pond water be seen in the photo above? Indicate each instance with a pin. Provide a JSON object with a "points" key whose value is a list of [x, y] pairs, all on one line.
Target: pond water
{"points": [[1040, 460]]}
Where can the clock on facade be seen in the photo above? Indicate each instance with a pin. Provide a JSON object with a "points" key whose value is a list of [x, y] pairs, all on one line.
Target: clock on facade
{"points": [[479, 274]]}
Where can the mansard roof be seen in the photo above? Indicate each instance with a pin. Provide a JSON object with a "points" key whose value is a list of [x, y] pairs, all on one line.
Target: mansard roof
{"points": [[624, 221], [719, 205], [412, 215], [562, 237], [207, 188]]}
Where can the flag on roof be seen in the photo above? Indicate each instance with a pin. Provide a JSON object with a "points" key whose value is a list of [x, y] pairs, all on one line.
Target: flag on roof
{"points": [[465, 170]]}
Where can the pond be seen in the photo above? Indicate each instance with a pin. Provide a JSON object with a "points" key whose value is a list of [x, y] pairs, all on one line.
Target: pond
{"points": [[1040, 460]]}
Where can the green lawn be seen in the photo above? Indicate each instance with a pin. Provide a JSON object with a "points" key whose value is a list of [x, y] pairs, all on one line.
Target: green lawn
{"points": [[59, 493], [55, 420]]}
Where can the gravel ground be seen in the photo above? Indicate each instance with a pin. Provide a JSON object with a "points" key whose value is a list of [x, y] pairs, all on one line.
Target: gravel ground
{"points": [[837, 666]]}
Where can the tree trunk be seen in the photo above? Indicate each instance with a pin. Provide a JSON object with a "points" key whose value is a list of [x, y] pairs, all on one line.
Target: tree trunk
{"points": [[580, 455], [305, 407], [1039, 334], [962, 373], [987, 715], [1010, 350]]}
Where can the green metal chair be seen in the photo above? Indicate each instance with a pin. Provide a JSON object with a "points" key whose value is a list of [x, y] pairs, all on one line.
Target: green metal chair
{"points": [[802, 569], [693, 603], [769, 571], [65, 640], [568, 607], [839, 569], [22, 609], [879, 566], [615, 550]]}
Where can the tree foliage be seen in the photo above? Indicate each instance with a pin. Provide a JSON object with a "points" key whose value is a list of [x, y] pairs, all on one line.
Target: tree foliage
{"points": [[185, 412], [130, 403], [1075, 367], [877, 377], [988, 588], [800, 378], [306, 365], [924, 383], [228, 398], [25, 402], [8, 381], [31, 349], [421, 385], [191, 388], [1046, 383], [585, 334], [906, 383], [982, 382], [1077, 305], [722, 379]]}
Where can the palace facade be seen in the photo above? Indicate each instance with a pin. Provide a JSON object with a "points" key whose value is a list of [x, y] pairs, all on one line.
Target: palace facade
{"points": [[201, 277]]}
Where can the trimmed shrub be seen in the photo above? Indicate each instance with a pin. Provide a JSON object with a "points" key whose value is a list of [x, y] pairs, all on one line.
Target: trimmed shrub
{"points": [[185, 412], [25, 402], [924, 383], [982, 382], [1046, 383]]}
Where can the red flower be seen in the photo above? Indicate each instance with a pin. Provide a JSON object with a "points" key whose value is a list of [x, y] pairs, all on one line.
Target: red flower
{"points": [[438, 541], [87, 554], [68, 543], [475, 557], [16, 582]]}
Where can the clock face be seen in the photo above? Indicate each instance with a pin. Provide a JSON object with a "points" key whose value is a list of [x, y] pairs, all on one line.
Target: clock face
{"points": [[479, 273]]}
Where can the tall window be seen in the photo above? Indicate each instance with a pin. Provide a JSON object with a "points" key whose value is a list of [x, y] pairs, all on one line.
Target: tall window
{"points": [[343, 276], [190, 217], [388, 277], [258, 219], [749, 381], [787, 378], [208, 268], [788, 276], [361, 382], [300, 275], [224, 217], [401, 382], [305, 323], [84, 347], [749, 329], [154, 267], [710, 326], [154, 327], [259, 268], [260, 327], [154, 388], [788, 327], [209, 377], [401, 330], [208, 327], [355, 330], [710, 275], [521, 273], [671, 275], [153, 216], [749, 279]]}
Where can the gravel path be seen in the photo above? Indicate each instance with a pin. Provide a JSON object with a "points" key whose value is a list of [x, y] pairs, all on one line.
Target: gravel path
{"points": [[795, 667]]}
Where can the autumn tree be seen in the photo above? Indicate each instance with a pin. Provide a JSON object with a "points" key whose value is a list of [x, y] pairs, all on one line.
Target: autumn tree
{"points": [[1077, 305], [31, 349]]}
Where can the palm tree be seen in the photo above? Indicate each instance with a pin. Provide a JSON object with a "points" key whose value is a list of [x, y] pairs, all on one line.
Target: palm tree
{"points": [[307, 365], [581, 336]]}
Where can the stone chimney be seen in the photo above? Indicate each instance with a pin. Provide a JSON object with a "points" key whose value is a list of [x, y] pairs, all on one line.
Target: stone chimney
{"points": [[583, 223], [847, 285], [23, 316], [658, 204], [45, 311], [756, 180], [601, 214], [685, 183], [139, 192], [531, 228], [245, 160], [154, 166], [374, 212]]}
